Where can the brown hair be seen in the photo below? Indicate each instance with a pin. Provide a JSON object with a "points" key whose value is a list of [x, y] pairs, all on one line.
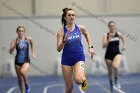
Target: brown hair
{"points": [[20, 27], [64, 23], [111, 22]]}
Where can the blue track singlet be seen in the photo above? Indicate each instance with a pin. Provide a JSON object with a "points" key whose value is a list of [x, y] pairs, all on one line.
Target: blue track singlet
{"points": [[73, 49]]}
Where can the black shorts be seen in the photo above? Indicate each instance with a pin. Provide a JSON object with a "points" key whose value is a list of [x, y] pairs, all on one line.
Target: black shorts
{"points": [[20, 64], [111, 56]]}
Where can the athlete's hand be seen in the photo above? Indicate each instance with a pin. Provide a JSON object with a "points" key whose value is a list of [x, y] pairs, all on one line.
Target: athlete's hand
{"points": [[34, 56], [123, 48], [109, 36], [92, 52], [13, 44], [66, 36]]}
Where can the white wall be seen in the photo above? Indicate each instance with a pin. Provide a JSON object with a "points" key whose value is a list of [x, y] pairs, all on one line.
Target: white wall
{"points": [[45, 42]]}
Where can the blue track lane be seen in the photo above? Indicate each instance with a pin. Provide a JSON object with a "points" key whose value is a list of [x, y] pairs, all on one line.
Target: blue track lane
{"points": [[55, 84]]}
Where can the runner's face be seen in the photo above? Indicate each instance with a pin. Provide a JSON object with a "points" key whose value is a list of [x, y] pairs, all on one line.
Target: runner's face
{"points": [[21, 32], [70, 16], [112, 27]]}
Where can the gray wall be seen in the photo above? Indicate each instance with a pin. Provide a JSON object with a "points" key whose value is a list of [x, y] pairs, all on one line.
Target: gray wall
{"points": [[53, 7], [45, 42]]}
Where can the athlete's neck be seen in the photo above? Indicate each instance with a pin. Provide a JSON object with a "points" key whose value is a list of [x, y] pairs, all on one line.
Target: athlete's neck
{"points": [[21, 37], [112, 31], [70, 27]]}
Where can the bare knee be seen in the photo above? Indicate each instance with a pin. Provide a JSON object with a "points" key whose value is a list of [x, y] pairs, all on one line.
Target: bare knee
{"points": [[110, 69], [117, 61], [20, 80], [23, 72], [24, 69], [116, 65], [69, 88], [78, 80]]}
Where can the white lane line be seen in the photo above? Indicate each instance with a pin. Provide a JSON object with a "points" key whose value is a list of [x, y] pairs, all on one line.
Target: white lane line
{"points": [[90, 84], [118, 90], [95, 84], [11, 89], [50, 86], [101, 86]]}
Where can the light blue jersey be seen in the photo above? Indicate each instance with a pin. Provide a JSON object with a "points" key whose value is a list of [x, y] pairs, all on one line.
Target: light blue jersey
{"points": [[22, 48]]}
